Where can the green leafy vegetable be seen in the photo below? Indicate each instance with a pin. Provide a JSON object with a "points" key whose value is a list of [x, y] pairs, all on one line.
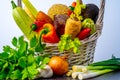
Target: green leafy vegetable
{"points": [[15, 74], [14, 41], [66, 43], [20, 61]]}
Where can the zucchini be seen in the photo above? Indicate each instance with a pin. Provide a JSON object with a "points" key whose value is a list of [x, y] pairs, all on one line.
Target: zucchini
{"points": [[22, 20]]}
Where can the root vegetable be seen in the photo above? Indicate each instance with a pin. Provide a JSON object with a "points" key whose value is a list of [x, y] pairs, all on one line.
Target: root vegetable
{"points": [[59, 23], [41, 16], [59, 65], [72, 27], [46, 72]]}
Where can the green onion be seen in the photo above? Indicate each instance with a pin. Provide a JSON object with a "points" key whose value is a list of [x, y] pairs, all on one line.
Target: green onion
{"points": [[114, 67], [95, 69], [93, 74], [86, 68], [115, 61], [75, 74]]}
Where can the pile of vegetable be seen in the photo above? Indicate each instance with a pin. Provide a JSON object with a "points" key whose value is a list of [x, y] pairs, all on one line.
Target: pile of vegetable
{"points": [[28, 60], [74, 22], [66, 25], [95, 69]]}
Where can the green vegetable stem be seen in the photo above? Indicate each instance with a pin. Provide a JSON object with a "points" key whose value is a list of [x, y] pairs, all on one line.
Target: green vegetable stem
{"points": [[40, 47]]}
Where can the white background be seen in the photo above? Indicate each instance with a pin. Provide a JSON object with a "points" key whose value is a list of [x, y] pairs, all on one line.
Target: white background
{"points": [[108, 43]]}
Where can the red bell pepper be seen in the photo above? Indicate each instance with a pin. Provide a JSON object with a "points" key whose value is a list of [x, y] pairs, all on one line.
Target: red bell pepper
{"points": [[37, 26], [84, 33], [50, 35]]}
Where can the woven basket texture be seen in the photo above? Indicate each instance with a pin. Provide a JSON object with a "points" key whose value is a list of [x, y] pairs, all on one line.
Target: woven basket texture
{"points": [[87, 49]]}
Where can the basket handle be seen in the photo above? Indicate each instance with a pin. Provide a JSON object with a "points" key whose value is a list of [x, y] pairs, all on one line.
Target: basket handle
{"points": [[99, 21], [101, 11], [19, 3]]}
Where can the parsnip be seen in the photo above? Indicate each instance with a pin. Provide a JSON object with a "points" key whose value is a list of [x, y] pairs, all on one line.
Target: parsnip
{"points": [[72, 27]]}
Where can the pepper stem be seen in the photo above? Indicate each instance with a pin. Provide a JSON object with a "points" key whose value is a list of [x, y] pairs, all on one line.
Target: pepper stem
{"points": [[13, 4], [43, 31], [40, 45], [33, 28]]}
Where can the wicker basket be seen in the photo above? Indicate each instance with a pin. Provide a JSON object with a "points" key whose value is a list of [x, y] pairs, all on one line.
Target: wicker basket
{"points": [[87, 48]]}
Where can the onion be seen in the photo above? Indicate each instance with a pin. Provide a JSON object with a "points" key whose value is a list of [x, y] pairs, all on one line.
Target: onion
{"points": [[59, 65]]}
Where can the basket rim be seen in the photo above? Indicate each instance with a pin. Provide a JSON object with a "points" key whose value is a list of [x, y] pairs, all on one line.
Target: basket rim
{"points": [[93, 37]]}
